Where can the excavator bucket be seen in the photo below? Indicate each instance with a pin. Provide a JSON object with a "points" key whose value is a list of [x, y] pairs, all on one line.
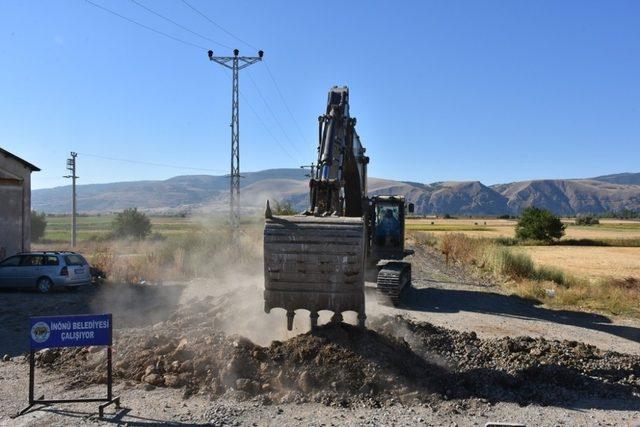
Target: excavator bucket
{"points": [[314, 263]]}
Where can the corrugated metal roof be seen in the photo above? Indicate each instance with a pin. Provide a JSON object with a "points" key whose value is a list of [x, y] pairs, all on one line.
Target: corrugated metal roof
{"points": [[24, 162]]}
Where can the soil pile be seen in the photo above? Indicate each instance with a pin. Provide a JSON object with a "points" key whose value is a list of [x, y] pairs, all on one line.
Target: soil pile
{"points": [[397, 360], [519, 369]]}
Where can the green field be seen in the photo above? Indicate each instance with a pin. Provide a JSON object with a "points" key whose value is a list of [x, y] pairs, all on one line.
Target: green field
{"points": [[89, 227]]}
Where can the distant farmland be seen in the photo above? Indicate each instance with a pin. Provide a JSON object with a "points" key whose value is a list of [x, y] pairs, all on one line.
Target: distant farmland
{"points": [[610, 249], [90, 227], [615, 251]]}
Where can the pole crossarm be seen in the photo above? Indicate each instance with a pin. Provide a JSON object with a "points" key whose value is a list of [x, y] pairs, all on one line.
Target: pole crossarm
{"points": [[246, 61]]}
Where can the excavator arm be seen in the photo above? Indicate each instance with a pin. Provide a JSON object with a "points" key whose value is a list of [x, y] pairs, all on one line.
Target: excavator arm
{"points": [[315, 261], [339, 184]]}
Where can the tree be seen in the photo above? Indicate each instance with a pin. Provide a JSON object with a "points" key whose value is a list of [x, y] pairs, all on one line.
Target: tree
{"points": [[587, 220], [283, 208], [38, 225], [131, 223], [539, 224]]}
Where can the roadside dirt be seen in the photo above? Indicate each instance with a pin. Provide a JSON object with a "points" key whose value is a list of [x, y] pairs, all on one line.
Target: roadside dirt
{"points": [[455, 352], [451, 297]]}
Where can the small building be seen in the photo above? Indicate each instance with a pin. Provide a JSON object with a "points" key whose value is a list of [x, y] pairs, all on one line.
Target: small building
{"points": [[15, 203]]}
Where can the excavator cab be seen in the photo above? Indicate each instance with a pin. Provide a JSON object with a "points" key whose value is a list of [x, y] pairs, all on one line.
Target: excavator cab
{"points": [[387, 226], [387, 215], [386, 246]]}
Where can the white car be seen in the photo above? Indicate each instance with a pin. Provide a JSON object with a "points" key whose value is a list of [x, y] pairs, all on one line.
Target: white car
{"points": [[45, 270]]}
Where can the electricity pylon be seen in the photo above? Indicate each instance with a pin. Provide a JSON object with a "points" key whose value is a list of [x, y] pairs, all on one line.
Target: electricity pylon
{"points": [[235, 63]]}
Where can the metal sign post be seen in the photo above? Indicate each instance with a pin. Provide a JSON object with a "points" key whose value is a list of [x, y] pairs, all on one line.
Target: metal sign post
{"points": [[71, 331]]}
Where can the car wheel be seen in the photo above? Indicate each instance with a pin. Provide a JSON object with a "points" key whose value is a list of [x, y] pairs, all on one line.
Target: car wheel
{"points": [[44, 285]]}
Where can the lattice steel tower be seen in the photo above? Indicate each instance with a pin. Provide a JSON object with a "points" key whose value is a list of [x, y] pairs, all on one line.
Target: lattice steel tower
{"points": [[235, 63]]}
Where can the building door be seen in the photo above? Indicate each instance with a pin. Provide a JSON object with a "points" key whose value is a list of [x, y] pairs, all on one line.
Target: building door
{"points": [[11, 214]]}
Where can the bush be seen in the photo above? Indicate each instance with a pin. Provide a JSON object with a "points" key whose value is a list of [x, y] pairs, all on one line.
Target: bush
{"points": [[506, 241], [38, 225], [514, 265], [539, 224], [424, 239], [587, 220], [131, 223], [551, 274], [283, 208], [459, 247]]}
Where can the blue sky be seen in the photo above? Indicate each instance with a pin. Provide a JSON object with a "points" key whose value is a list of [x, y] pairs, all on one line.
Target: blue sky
{"points": [[496, 91]]}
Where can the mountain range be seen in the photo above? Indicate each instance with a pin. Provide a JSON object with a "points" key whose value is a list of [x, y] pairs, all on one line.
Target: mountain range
{"points": [[206, 193]]}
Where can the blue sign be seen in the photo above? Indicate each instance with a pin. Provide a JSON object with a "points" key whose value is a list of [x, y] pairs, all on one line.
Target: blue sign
{"points": [[70, 331]]}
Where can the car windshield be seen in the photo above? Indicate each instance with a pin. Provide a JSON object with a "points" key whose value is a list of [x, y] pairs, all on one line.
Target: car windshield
{"points": [[74, 260], [10, 262], [388, 231]]}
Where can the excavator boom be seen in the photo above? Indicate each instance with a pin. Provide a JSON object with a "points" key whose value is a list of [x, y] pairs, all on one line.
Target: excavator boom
{"points": [[315, 261]]}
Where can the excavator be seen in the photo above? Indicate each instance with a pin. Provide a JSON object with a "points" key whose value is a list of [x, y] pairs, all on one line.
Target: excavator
{"points": [[319, 259]]}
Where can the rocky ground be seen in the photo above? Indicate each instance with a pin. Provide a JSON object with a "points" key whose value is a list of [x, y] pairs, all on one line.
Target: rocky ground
{"points": [[182, 356]]}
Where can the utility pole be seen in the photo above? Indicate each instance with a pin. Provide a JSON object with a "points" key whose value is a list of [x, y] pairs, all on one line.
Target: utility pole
{"points": [[312, 168], [71, 166], [235, 63]]}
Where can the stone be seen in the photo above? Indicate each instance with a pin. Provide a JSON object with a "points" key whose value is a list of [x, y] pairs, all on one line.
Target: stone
{"points": [[305, 382], [171, 380], [48, 356], [247, 385], [154, 379]]}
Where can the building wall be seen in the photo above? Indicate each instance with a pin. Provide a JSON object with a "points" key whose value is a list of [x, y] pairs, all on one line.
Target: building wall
{"points": [[15, 206]]}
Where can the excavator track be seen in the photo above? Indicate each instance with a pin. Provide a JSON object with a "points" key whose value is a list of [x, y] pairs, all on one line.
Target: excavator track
{"points": [[392, 279]]}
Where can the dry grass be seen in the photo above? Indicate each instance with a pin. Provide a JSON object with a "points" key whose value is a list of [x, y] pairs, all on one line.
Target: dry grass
{"points": [[616, 296], [608, 228], [587, 261], [611, 260], [179, 257], [553, 285]]}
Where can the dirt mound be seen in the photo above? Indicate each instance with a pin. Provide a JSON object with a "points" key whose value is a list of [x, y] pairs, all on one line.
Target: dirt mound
{"points": [[339, 364], [397, 360], [520, 369]]}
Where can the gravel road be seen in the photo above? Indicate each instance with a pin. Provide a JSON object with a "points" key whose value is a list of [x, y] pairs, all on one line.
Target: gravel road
{"points": [[443, 296], [162, 406], [447, 297]]}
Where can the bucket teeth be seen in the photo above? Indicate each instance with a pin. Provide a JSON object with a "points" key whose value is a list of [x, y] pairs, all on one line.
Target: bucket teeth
{"points": [[290, 315]]}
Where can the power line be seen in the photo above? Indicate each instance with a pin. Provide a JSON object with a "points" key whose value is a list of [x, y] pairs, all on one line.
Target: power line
{"points": [[264, 125], [164, 165], [218, 25], [179, 25], [262, 122], [275, 117], [284, 101], [145, 26]]}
